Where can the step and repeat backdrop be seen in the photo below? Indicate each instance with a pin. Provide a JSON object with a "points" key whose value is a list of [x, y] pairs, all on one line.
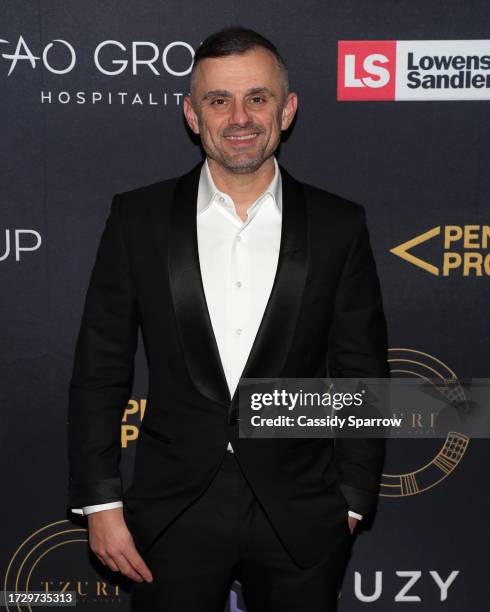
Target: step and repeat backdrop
{"points": [[394, 113]]}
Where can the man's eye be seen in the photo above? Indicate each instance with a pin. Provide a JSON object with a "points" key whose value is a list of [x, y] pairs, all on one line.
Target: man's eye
{"points": [[258, 99], [217, 100]]}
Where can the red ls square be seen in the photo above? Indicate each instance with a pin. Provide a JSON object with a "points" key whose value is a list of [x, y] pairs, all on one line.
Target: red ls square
{"points": [[366, 70]]}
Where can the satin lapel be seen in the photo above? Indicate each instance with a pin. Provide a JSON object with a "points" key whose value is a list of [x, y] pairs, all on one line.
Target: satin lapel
{"points": [[273, 339], [196, 332]]}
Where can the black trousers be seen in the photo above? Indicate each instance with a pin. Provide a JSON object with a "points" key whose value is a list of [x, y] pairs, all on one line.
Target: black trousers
{"points": [[225, 536]]}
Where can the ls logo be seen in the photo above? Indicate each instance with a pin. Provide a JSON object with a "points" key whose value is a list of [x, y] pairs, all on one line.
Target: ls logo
{"points": [[366, 70]]}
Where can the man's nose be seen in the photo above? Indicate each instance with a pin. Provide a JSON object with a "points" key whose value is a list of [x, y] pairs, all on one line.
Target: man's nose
{"points": [[239, 114]]}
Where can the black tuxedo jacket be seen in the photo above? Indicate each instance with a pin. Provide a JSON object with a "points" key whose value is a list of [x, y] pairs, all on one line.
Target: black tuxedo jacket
{"points": [[324, 317]]}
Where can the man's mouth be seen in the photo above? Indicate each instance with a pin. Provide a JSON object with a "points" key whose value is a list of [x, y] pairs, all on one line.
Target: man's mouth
{"points": [[243, 137]]}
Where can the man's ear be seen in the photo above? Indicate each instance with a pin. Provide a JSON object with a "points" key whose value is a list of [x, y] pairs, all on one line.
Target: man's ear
{"points": [[190, 115], [289, 110]]}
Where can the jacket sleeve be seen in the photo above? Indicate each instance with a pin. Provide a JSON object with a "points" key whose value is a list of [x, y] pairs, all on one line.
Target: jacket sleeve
{"points": [[103, 370], [357, 348]]}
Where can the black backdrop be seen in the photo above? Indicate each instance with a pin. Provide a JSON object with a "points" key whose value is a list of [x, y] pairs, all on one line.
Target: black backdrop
{"points": [[414, 165]]}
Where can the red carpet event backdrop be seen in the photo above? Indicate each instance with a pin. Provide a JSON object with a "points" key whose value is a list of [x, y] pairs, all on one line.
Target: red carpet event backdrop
{"points": [[394, 113]]}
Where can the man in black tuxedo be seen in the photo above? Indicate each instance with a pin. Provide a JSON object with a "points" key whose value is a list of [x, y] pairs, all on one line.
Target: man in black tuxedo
{"points": [[235, 269]]}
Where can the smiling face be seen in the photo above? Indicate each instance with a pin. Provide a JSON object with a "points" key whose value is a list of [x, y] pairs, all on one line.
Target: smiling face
{"points": [[238, 106]]}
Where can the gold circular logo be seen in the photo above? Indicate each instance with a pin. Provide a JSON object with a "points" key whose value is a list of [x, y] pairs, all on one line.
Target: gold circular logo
{"points": [[406, 362]]}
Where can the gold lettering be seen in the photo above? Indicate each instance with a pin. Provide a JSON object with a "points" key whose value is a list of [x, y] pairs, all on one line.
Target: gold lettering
{"points": [[79, 589], [471, 232], [132, 408], [452, 233], [101, 589], [472, 260], [485, 236], [128, 434], [451, 262], [416, 420]]}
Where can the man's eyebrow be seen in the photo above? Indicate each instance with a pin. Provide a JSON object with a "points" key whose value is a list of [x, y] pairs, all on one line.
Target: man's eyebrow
{"points": [[227, 94]]}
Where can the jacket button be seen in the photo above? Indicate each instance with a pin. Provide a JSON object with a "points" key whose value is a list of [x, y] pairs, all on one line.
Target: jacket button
{"points": [[233, 419]]}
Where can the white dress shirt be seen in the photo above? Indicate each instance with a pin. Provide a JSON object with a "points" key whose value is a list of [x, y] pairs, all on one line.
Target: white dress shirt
{"points": [[238, 261]]}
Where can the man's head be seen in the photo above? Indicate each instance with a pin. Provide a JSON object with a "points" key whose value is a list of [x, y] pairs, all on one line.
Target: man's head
{"points": [[240, 99]]}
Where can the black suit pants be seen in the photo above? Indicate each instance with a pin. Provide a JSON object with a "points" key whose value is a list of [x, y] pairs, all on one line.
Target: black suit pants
{"points": [[225, 536]]}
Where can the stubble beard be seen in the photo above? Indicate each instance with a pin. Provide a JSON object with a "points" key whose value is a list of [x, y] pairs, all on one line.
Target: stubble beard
{"points": [[247, 165]]}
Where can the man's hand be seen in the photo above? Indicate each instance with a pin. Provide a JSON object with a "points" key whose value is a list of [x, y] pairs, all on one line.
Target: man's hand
{"points": [[352, 523], [112, 542]]}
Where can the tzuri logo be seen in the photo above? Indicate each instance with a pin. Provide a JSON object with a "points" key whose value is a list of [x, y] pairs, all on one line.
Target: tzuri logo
{"points": [[413, 70]]}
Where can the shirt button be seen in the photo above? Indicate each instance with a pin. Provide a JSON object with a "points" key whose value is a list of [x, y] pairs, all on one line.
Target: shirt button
{"points": [[238, 284], [221, 199], [238, 331], [238, 238]]}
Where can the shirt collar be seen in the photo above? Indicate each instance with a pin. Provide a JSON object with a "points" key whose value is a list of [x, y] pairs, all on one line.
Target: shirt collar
{"points": [[208, 190]]}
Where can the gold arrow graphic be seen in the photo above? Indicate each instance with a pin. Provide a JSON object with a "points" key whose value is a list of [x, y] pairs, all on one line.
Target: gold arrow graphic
{"points": [[402, 250]]}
